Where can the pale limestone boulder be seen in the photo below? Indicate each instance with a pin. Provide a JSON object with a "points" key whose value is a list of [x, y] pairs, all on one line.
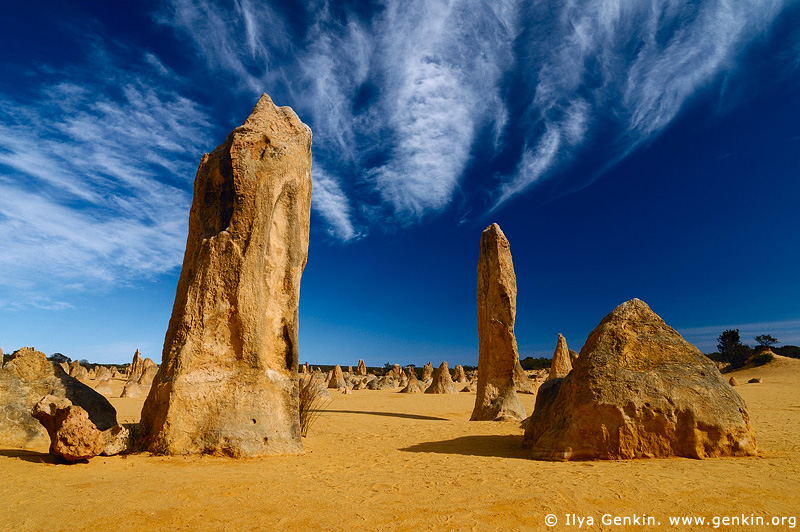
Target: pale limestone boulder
{"points": [[132, 390], [496, 398], [638, 390], [228, 379], [148, 375], [561, 364], [102, 373], [336, 379], [28, 377], [104, 388], [414, 385], [72, 434], [361, 369], [458, 374], [442, 382], [427, 371], [116, 440], [733, 382]]}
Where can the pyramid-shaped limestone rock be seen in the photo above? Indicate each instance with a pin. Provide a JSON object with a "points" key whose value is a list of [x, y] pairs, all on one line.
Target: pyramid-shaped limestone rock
{"points": [[458, 374], [414, 385], [228, 379], [442, 381], [496, 397], [638, 390], [361, 369], [336, 380], [561, 364]]}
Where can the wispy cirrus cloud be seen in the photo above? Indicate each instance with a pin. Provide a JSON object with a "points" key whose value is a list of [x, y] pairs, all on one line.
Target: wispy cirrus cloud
{"points": [[397, 95], [395, 100], [95, 175], [616, 73]]}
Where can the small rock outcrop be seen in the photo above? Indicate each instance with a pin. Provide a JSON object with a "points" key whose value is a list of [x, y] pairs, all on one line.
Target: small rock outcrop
{"points": [[638, 390], [228, 382], [733, 382], [72, 434], [116, 440], [427, 371], [131, 390], [561, 364], [496, 397], [337, 378], [522, 383], [755, 380], [414, 385], [136, 368], [102, 373], [148, 375], [104, 387], [361, 369], [28, 377], [458, 374], [442, 382]]}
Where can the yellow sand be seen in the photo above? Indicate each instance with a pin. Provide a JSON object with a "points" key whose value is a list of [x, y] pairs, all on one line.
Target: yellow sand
{"points": [[381, 460]]}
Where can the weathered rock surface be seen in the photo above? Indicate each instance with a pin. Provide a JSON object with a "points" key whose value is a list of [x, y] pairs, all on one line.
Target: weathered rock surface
{"points": [[733, 382], [148, 375], [116, 440], [136, 368], [102, 373], [72, 434], [427, 371], [337, 378], [638, 390], [104, 388], [414, 385], [442, 382], [561, 364], [132, 389], [228, 380], [458, 374], [362, 368], [522, 383], [28, 377], [496, 397]]}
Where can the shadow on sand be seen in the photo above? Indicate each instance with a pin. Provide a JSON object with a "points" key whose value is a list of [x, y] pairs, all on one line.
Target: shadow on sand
{"points": [[389, 414], [508, 446], [33, 457]]}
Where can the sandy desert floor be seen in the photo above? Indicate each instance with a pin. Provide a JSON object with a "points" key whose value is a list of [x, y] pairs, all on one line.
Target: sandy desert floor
{"points": [[383, 461]]}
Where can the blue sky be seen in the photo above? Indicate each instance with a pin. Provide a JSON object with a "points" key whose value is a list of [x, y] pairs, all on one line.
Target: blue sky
{"points": [[628, 149]]}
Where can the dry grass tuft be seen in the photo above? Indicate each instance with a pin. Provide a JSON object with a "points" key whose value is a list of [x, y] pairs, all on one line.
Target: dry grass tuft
{"points": [[313, 401]]}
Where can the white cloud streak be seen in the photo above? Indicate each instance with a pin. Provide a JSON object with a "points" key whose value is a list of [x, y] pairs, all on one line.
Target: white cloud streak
{"points": [[628, 65], [93, 184], [434, 69]]}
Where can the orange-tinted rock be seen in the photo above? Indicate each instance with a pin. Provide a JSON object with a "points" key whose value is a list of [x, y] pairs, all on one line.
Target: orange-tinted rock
{"points": [[442, 381], [496, 397], [638, 390], [228, 381]]}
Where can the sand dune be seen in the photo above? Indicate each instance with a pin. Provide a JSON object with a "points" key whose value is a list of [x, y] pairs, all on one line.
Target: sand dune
{"points": [[385, 461]]}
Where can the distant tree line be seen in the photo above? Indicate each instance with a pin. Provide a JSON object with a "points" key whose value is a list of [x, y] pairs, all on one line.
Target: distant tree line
{"points": [[530, 363], [731, 350]]}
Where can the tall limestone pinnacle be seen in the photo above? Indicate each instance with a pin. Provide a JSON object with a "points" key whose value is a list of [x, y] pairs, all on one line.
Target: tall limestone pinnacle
{"points": [[497, 347], [228, 379]]}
